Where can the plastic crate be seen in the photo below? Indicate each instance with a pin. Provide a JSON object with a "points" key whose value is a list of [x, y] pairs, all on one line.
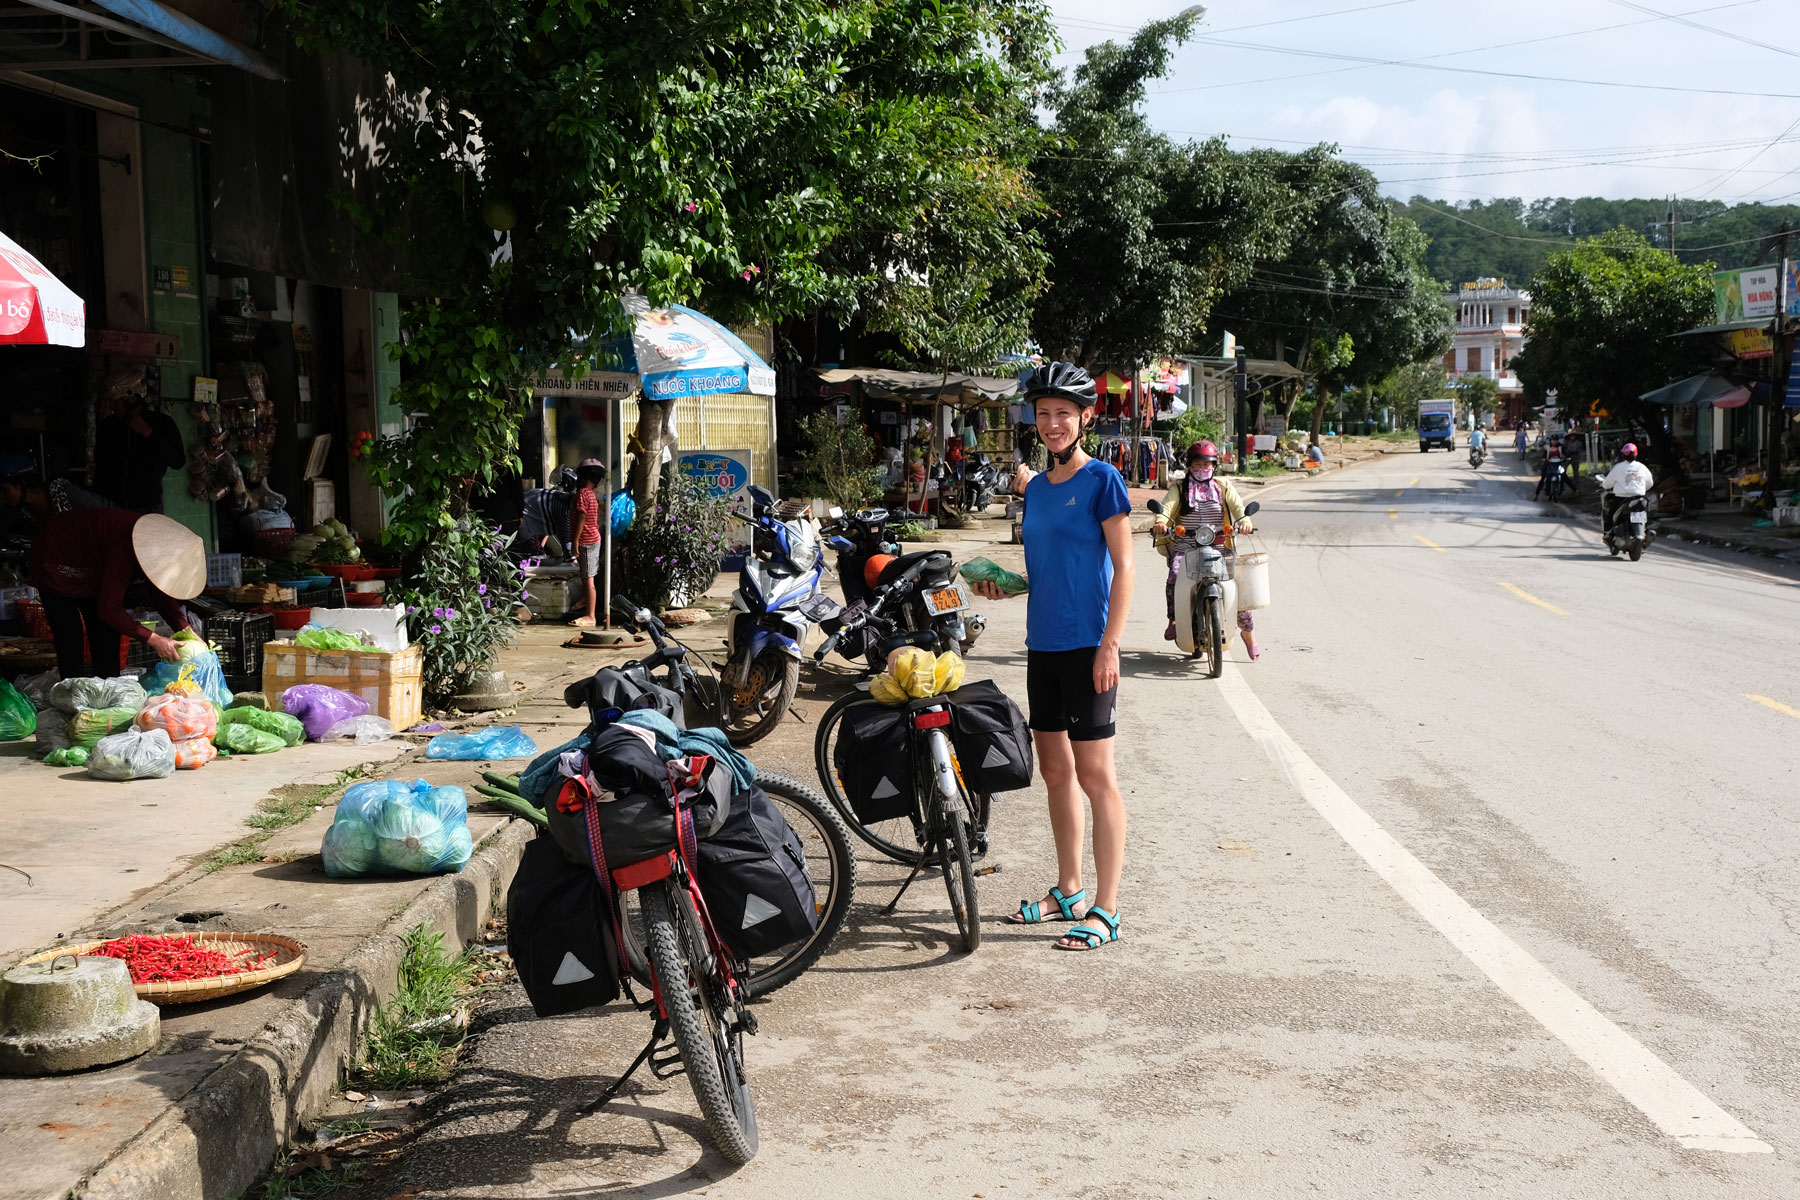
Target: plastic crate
{"points": [[224, 570], [240, 637]]}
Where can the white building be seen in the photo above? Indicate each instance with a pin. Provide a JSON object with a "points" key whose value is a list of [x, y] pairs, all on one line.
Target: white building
{"points": [[1490, 332]]}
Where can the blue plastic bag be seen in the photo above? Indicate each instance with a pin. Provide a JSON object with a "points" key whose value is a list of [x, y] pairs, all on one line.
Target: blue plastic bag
{"points": [[391, 827], [207, 671], [624, 512], [496, 741]]}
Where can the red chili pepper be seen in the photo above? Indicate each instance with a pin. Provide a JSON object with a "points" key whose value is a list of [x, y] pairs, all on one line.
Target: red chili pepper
{"points": [[174, 958]]}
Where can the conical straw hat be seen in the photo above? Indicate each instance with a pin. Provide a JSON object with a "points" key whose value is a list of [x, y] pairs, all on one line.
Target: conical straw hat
{"points": [[172, 557]]}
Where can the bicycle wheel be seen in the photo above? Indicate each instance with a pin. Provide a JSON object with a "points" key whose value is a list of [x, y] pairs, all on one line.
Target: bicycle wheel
{"points": [[709, 1039], [895, 838], [830, 866], [959, 876]]}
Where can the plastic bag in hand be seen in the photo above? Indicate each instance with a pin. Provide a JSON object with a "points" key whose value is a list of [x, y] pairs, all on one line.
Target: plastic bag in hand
{"points": [[367, 730], [194, 753], [89, 725], [314, 638], [133, 754], [205, 669], [73, 695], [986, 570], [395, 828], [248, 739], [320, 707], [18, 719], [183, 718], [288, 729], [496, 741]]}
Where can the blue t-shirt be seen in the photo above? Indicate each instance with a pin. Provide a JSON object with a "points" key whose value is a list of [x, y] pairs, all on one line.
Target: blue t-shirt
{"points": [[1066, 558]]}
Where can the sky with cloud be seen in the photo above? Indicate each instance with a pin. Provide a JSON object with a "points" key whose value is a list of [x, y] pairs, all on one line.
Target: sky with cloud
{"points": [[1462, 100]]}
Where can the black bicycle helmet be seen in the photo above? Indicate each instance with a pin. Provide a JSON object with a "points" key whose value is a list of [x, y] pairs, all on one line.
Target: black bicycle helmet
{"points": [[1061, 379]]}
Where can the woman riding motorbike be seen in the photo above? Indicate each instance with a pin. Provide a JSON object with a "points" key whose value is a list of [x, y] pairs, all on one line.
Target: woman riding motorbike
{"points": [[1204, 498]]}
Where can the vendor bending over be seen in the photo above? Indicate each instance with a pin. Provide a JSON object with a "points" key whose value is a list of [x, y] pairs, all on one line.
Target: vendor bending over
{"points": [[81, 564]]}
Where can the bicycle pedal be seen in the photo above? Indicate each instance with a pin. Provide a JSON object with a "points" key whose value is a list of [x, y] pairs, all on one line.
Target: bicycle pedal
{"points": [[665, 1061], [747, 1020], [990, 869]]}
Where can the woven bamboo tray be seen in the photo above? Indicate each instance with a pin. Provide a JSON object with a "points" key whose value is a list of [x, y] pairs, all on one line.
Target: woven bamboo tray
{"points": [[289, 957]]}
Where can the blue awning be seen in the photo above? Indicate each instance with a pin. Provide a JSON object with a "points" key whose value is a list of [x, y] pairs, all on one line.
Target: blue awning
{"points": [[154, 24]]}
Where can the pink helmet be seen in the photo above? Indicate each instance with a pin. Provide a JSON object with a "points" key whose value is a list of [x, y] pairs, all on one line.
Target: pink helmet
{"points": [[1628, 450], [1203, 450]]}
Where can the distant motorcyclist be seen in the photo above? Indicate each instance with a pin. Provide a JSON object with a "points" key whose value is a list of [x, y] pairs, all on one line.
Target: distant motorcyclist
{"points": [[1553, 456], [1204, 498], [1478, 440], [1628, 480]]}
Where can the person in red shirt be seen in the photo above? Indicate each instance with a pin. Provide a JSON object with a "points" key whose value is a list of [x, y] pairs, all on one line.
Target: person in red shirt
{"points": [[81, 564], [584, 532]]}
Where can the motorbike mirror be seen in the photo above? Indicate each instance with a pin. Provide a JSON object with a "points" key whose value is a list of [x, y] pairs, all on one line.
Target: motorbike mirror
{"points": [[1154, 506], [835, 513], [1252, 508]]}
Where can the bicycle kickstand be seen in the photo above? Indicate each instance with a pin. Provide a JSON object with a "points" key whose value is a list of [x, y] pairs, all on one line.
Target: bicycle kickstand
{"points": [[618, 1085], [925, 853]]}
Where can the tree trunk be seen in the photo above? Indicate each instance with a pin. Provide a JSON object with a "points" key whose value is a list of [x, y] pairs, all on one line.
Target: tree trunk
{"points": [[1318, 416], [648, 442]]}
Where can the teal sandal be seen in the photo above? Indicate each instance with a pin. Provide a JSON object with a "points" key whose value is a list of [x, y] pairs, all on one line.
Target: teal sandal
{"points": [[1092, 939], [1031, 912]]}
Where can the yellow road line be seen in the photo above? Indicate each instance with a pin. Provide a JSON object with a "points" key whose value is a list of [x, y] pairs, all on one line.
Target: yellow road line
{"points": [[1394, 514], [1522, 594], [1414, 483], [1777, 705], [1430, 543]]}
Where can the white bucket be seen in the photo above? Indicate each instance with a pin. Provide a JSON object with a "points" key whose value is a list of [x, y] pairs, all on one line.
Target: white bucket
{"points": [[1252, 580]]}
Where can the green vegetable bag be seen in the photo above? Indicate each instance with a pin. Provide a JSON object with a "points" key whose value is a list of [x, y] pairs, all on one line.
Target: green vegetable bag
{"points": [[18, 719], [288, 729], [986, 570], [89, 725], [329, 639], [247, 739]]}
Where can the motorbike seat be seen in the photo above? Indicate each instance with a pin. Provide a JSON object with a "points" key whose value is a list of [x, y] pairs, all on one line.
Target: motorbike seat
{"points": [[894, 569]]}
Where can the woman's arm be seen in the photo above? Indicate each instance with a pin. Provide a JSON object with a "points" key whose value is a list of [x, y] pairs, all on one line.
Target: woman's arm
{"points": [[1234, 504], [1118, 546]]}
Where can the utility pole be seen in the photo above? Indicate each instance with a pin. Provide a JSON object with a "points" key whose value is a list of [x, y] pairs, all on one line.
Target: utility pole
{"points": [[1241, 383], [1671, 226], [1778, 374]]}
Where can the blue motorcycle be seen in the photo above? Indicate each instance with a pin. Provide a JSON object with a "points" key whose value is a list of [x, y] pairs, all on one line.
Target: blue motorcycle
{"points": [[779, 598]]}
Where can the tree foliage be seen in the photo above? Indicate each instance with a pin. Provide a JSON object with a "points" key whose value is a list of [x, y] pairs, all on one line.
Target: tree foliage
{"points": [[758, 158], [1601, 318], [836, 461]]}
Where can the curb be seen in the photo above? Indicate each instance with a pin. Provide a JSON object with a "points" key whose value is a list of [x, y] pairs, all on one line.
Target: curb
{"points": [[215, 1140], [1723, 542]]}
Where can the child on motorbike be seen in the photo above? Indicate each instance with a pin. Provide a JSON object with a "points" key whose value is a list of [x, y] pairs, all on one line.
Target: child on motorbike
{"points": [[1204, 498]]}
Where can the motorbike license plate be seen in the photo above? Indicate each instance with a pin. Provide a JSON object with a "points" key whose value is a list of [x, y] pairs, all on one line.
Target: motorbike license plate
{"points": [[1637, 518], [947, 600]]}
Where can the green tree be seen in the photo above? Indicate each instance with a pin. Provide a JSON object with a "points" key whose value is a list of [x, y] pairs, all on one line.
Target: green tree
{"points": [[760, 159], [1601, 318], [1478, 395], [1401, 389], [836, 461]]}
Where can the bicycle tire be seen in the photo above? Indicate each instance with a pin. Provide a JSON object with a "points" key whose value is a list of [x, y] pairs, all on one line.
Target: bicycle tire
{"points": [[711, 1052], [771, 971], [784, 696], [882, 836], [1215, 639], [959, 878]]}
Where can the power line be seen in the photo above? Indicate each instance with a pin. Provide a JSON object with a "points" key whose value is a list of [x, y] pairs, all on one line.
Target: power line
{"points": [[1740, 167], [1102, 26], [1681, 19]]}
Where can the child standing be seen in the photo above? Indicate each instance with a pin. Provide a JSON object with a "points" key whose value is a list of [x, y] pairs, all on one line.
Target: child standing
{"points": [[584, 532]]}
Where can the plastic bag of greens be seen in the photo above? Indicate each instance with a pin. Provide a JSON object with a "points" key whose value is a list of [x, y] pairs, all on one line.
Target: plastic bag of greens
{"points": [[133, 754], [320, 707], [986, 570], [366, 730], [248, 739], [288, 729], [496, 741], [18, 719], [89, 725], [183, 718], [198, 663], [68, 756], [395, 828], [52, 731], [72, 695], [314, 638]]}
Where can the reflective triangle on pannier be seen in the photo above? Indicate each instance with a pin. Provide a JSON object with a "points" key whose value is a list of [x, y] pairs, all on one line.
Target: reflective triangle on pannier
{"points": [[884, 789], [758, 910], [572, 970], [995, 758]]}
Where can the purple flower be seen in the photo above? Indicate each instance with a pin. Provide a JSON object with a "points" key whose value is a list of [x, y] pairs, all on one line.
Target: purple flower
{"points": [[411, 609], [437, 629], [449, 612], [486, 603], [523, 595], [438, 613], [481, 589]]}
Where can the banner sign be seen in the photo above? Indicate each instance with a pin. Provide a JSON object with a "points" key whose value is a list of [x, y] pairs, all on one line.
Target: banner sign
{"points": [[594, 385], [1751, 343], [724, 474], [1745, 294]]}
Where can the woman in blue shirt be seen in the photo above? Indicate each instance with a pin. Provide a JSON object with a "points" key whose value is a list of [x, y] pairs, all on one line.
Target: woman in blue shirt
{"points": [[1077, 534]]}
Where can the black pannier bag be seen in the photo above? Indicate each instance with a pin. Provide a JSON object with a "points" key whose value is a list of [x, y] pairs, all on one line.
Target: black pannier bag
{"points": [[753, 876], [559, 933], [638, 822], [873, 757], [993, 746], [624, 689]]}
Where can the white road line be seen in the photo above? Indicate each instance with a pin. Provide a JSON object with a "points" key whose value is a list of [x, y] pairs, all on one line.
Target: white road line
{"points": [[1650, 1085]]}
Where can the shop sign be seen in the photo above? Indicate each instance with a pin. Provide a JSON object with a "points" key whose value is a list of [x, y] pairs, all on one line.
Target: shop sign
{"points": [[131, 344], [828, 390], [1791, 398], [1744, 295], [1751, 343], [612, 385], [1791, 288], [723, 475]]}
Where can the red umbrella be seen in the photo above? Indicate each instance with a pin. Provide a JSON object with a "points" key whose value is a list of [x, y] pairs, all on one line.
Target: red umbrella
{"points": [[36, 308]]}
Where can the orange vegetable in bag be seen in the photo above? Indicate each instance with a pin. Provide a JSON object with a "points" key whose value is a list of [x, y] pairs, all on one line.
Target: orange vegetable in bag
{"points": [[194, 753], [183, 718]]}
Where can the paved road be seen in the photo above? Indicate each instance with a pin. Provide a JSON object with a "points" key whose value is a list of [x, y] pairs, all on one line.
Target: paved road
{"points": [[1483, 881]]}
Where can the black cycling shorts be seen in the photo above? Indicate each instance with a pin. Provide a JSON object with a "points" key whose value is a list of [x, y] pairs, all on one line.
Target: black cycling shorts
{"points": [[1059, 685]]}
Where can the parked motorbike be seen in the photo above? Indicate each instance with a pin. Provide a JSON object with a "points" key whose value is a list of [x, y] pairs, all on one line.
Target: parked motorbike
{"points": [[1205, 592], [777, 601], [544, 518], [902, 599], [866, 531], [1630, 533], [980, 481]]}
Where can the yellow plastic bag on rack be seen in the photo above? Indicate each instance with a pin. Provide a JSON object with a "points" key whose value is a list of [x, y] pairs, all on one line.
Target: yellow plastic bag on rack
{"points": [[914, 674]]}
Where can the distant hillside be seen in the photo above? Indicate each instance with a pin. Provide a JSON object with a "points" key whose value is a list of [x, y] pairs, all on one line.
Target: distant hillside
{"points": [[1510, 238]]}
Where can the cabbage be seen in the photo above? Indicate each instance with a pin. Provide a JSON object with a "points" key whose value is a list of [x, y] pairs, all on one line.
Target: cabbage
{"points": [[390, 827]]}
